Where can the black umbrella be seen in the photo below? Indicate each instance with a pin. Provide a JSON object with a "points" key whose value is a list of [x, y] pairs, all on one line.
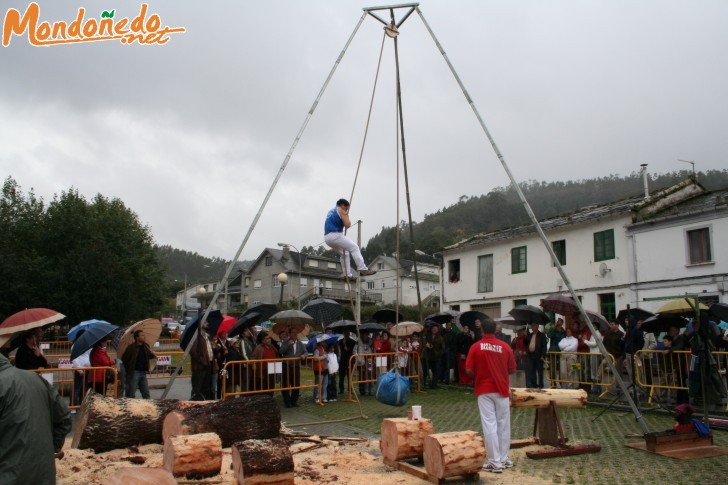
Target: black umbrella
{"points": [[529, 313], [245, 322], [265, 310], [372, 326], [431, 323], [91, 337], [440, 317], [468, 318], [636, 313], [662, 323], [342, 326], [719, 310], [323, 310], [387, 315], [214, 319]]}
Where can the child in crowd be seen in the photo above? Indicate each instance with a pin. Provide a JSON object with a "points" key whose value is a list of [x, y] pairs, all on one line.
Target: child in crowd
{"points": [[333, 370]]}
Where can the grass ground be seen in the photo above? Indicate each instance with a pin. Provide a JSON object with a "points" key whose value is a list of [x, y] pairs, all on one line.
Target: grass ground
{"points": [[454, 409]]}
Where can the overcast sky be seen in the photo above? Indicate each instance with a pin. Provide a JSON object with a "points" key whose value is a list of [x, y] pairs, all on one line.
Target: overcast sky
{"points": [[190, 135]]}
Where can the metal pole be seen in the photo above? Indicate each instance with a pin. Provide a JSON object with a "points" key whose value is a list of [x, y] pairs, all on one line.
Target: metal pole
{"points": [[539, 231], [270, 191]]}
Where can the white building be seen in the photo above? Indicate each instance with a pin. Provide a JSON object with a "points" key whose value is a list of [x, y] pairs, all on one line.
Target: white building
{"points": [[386, 280], [614, 254]]}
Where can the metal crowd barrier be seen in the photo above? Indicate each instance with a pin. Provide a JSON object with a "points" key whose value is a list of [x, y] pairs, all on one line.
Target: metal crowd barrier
{"points": [[58, 348], [248, 377], [73, 382], [365, 369], [569, 370], [665, 373]]}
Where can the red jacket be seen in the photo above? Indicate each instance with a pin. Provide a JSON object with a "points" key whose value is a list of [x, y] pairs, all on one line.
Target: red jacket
{"points": [[100, 358]]}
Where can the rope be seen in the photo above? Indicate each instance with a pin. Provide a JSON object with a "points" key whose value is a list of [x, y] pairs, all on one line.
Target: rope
{"points": [[369, 117]]}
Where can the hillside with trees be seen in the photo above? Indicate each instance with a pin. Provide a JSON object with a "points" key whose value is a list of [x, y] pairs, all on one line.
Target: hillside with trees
{"points": [[501, 208]]}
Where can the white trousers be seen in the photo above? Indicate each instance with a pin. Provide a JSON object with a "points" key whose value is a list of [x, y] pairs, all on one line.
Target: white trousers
{"points": [[340, 243], [495, 416]]}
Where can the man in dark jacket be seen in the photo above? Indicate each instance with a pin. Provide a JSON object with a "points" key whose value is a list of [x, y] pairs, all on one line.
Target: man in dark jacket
{"points": [[536, 347], [29, 355], [136, 363], [434, 348], [201, 355], [34, 421], [448, 357]]}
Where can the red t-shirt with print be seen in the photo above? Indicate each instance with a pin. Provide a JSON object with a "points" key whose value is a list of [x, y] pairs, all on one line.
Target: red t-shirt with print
{"points": [[492, 361]]}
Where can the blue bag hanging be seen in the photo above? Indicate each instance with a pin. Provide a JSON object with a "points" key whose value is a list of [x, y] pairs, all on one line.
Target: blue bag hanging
{"points": [[392, 389]]}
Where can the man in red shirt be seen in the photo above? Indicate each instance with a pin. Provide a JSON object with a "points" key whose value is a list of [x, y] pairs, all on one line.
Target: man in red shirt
{"points": [[490, 361]]}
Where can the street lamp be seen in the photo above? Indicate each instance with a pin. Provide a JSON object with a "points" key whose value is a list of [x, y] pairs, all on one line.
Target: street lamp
{"points": [[282, 279], [440, 268], [202, 291], [300, 263]]}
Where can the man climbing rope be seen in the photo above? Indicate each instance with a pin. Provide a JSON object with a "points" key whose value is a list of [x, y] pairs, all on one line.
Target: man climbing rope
{"points": [[336, 220]]}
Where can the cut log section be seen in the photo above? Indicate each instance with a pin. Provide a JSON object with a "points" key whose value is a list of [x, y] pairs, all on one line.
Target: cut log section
{"points": [[141, 476], [404, 438], [541, 398], [106, 423], [461, 453], [244, 418], [268, 462], [194, 456]]}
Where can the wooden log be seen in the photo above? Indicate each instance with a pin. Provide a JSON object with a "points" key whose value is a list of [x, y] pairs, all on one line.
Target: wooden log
{"points": [[267, 461], [244, 418], [454, 454], [540, 398], [105, 423], [141, 476], [193, 456], [404, 438]]}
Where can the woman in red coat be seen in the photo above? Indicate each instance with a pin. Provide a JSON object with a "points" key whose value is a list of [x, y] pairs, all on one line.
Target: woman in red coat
{"points": [[100, 358]]}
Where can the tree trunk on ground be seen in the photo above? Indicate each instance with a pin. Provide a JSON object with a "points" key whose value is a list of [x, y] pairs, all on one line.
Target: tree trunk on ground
{"points": [[193, 456], [541, 398], [404, 438], [105, 423], [454, 454], [141, 476], [263, 462], [244, 418]]}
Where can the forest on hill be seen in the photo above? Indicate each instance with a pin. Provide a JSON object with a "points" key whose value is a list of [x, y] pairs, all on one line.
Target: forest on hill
{"points": [[501, 208]]}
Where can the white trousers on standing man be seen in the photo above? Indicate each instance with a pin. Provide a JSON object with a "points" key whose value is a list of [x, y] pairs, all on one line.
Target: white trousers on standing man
{"points": [[495, 416], [340, 243]]}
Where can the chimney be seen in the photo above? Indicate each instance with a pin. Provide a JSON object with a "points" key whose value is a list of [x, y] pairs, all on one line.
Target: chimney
{"points": [[643, 172]]}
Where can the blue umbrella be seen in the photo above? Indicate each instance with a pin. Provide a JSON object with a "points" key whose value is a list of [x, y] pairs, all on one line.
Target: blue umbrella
{"points": [[92, 335], [214, 319], [73, 333], [329, 338]]}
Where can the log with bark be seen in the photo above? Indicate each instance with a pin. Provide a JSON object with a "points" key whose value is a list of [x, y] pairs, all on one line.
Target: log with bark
{"points": [[141, 476], [541, 398], [244, 418], [106, 423], [454, 454], [193, 456], [267, 461], [404, 438]]}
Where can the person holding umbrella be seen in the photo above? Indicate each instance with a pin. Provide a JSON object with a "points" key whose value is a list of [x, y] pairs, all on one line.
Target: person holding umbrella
{"points": [[201, 356], [136, 362], [29, 355], [292, 347], [536, 355], [100, 358]]}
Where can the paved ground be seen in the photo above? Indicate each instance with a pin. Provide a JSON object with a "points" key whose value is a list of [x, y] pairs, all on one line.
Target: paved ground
{"points": [[454, 409]]}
